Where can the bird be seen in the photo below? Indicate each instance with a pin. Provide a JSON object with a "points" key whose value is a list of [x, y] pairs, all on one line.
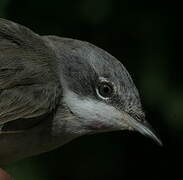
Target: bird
{"points": [[55, 89]]}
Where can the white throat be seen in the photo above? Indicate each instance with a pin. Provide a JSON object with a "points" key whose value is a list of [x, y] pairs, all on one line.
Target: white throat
{"points": [[91, 112]]}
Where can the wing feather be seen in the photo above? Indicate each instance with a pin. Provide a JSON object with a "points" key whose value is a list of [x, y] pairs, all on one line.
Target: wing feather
{"points": [[29, 83]]}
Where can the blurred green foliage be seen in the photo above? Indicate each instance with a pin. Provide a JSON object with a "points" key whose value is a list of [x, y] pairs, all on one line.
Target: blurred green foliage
{"points": [[3, 5], [142, 35]]}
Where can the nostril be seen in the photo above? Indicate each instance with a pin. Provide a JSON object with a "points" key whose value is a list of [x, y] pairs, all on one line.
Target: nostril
{"points": [[137, 115]]}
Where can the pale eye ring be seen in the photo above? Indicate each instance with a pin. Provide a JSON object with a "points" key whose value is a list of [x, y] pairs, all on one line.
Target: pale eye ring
{"points": [[105, 90]]}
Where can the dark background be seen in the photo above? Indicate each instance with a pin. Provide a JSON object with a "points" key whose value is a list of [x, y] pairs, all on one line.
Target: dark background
{"points": [[142, 35]]}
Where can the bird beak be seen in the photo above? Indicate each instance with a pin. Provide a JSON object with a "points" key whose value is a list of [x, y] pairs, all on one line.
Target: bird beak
{"points": [[142, 127]]}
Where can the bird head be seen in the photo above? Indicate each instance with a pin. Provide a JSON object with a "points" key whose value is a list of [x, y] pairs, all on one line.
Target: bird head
{"points": [[98, 90]]}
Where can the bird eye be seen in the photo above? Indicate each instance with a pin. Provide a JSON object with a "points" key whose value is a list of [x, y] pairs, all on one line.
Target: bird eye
{"points": [[105, 90]]}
